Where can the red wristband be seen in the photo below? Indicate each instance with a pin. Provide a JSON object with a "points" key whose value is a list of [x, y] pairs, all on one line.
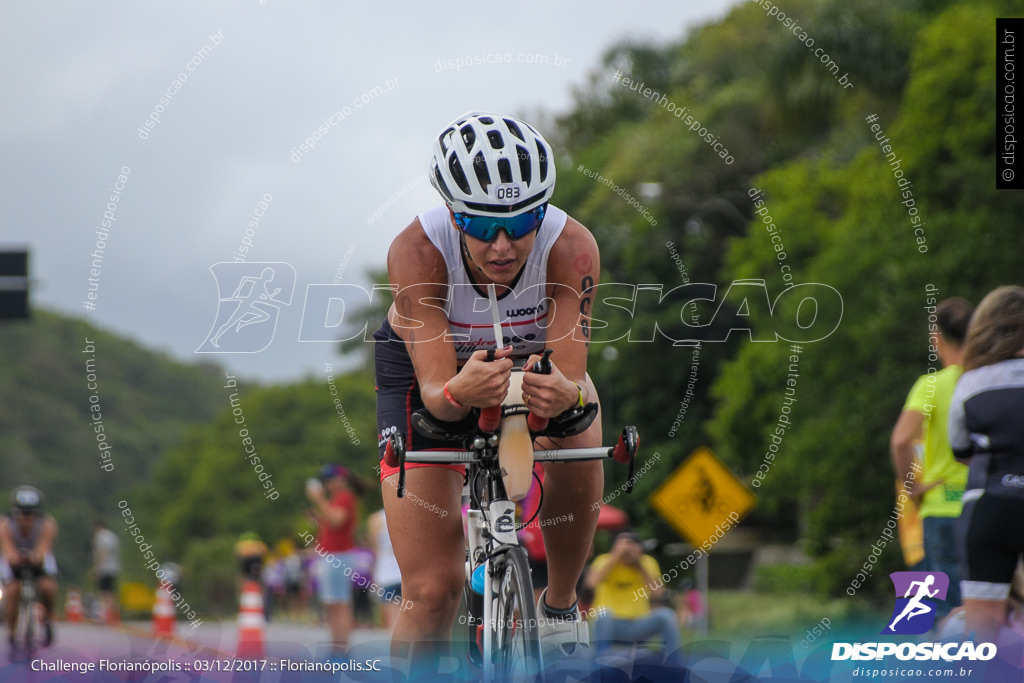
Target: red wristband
{"points": [[451, 399]]}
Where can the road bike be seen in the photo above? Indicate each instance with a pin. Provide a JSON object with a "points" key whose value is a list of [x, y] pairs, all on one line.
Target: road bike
{"points": [[29, 629], [501, 615]]}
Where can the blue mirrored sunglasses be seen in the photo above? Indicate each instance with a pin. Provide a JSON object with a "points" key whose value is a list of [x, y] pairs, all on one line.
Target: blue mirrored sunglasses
{"points": [[486, 228]]}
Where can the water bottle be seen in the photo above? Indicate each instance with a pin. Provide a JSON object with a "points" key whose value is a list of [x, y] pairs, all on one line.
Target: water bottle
{"points": [[477, 582]]}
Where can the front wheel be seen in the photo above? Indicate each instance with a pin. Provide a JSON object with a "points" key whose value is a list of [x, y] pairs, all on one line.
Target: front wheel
{"points": [[26, 631], [516, 637]]}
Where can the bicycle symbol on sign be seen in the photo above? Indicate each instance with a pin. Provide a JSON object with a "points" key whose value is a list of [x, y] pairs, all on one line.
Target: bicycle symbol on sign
{"points": [[702, 499]]}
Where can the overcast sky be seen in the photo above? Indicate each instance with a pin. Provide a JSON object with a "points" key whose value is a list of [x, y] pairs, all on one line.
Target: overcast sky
{"points": [[81, 80]]}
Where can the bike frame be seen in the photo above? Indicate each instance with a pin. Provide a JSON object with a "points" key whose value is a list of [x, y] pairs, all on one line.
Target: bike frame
{"points": [[28, 627], [492, 522]]}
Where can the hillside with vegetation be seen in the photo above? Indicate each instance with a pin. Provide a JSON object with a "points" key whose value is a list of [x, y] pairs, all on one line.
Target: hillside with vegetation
{"points": [[49, 429]]}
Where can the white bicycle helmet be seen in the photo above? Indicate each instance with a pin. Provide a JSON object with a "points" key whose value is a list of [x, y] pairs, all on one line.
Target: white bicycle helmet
{"points": [[491, 165], [26, 499]]}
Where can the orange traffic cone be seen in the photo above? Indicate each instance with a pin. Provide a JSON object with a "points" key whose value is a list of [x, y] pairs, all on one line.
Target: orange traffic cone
{"points": [[164, 615], [251, 621], [73, 606]]}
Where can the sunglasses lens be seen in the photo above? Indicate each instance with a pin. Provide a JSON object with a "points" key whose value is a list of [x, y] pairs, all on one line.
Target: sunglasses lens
{"points": [[486, 228]]}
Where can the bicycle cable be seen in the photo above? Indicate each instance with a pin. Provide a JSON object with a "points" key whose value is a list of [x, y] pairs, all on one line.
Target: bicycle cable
{"points": [[540, 502]]}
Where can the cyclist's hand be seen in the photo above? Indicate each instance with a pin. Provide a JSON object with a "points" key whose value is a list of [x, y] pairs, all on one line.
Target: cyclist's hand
{"points": [[13, 559], [480, 383], [549, 395]]}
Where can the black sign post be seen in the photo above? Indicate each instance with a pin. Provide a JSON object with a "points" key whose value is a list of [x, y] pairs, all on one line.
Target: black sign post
{"points": [[13, 285]]}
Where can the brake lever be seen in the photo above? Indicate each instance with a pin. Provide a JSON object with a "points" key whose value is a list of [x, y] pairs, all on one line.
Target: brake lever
{"points": [[625, 450], [543, 365]]}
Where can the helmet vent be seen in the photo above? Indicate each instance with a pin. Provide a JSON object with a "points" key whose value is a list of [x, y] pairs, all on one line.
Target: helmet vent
{"points": [[458, 175], [543, 159], [439, 183], [468, 137], [480, 167], [514, 129], [486, 120], [525, 168], [443, 140], [494, 137], [504, 170]]}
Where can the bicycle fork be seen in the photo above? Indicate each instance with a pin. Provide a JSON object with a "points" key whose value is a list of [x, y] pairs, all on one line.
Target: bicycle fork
{"points": [[502, 532]]}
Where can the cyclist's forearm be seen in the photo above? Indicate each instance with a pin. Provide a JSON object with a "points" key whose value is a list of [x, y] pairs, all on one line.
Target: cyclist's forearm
{"points": [[582, 389], [439, 405], [47, 538]]}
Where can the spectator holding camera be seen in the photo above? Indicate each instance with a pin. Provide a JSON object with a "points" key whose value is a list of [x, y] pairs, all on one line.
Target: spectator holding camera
{"points": [[620, 580]]}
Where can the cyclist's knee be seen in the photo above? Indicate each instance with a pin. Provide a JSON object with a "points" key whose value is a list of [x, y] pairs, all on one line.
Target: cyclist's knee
{"points": [[433, 594]]}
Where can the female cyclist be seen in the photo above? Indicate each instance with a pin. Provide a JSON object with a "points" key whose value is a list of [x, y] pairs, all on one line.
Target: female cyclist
{"points": [[496, 227]]}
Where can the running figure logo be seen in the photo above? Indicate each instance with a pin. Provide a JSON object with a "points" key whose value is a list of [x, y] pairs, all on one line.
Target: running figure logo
{"points": [[914, 613], [247, 318]]}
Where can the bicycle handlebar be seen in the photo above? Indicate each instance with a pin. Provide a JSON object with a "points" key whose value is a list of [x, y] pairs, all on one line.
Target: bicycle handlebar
{"points": [[556, 455], [624, 451]]}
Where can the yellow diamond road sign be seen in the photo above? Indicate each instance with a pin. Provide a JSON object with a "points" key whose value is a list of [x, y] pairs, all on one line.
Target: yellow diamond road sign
{"points": [[701, 497]]}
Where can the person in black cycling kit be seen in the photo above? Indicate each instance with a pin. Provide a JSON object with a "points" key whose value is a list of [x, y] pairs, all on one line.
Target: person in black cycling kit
{"points": [[496, 175], [26, 539], [986, 430]]}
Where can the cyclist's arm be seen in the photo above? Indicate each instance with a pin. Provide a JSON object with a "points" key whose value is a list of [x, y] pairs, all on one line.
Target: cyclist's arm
{"points": [[10, 553], [46, 538], [574, 268], [419, 279]]}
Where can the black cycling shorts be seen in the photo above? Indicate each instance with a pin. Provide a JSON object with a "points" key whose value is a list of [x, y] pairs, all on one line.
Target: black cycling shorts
{"points": [[990, 537], [398, 395]]}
